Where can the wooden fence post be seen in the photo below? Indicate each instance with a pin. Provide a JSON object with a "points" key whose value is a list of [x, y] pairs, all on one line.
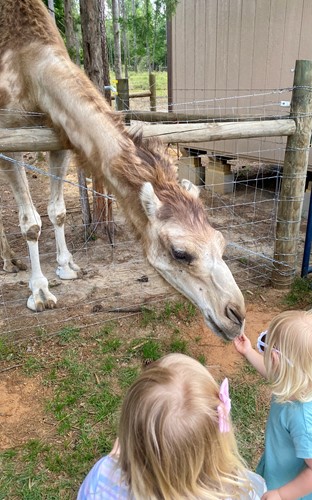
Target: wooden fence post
{"points": [[294, 178], [122, 97], [152, 86]]}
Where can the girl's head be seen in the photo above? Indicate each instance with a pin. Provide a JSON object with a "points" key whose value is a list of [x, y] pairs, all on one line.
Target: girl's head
{"points": [[170, 442], [288, 357]]}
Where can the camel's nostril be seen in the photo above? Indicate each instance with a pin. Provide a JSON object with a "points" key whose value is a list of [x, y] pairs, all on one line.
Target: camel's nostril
{"points": [[234, 315]]}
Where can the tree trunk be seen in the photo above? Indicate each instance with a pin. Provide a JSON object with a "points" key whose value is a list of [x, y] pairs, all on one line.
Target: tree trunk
{"points": [[105, 58], [51, 8], [73, 50], [93, 30], [124, 36], [147, 18], [135, 61], [116, 27], [72, 42]]}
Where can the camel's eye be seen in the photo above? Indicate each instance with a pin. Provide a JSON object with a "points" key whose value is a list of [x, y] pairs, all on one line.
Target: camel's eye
{"points": [[182, 256]]}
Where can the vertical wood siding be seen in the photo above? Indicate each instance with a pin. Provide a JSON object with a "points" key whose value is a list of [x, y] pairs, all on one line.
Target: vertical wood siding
{"points": [[230, 48]]}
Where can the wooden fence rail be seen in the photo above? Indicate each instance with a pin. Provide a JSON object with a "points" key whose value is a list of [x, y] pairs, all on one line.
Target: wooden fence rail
{"points": [[45, 139]]}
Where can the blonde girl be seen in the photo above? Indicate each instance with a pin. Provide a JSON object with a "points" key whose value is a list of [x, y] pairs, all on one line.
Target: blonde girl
{"points": [[286, 361], [175, 440]]}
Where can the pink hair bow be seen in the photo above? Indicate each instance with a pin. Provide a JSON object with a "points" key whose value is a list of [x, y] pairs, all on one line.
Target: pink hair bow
{"points": [[224, 407]]}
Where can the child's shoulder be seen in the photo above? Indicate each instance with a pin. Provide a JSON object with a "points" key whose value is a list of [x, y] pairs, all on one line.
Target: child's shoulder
{"points": [[297, 416], [258, 485], [104, 481]]}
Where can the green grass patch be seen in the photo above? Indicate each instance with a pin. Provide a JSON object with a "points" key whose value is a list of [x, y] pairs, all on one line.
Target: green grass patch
{"points": [[139, 82], [249, 412], [300, 294], [68, 334], [178, 345], [8, 351]]}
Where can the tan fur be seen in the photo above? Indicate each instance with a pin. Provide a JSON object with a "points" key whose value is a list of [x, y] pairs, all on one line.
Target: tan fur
{"points": [[36, 74]]}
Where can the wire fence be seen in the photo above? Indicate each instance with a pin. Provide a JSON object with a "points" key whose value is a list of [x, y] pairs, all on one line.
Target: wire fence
{"points": [[241, 194]]}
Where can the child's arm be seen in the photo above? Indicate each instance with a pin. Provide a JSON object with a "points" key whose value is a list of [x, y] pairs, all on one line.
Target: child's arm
{"points": [[243, 346], [297, 488]]}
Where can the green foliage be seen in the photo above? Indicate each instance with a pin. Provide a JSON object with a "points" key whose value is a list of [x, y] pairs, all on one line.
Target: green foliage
{"points": [[145, 29]]}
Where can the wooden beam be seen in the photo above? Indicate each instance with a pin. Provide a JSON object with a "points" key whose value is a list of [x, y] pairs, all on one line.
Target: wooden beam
{"points": [[44, 139], [188, 117], [203, 132], [29, 139]]}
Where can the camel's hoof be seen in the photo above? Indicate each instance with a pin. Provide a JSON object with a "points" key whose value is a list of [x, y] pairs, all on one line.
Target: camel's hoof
{"points": [[14, 266], [19, 264], [44, 301], [69, 272]]}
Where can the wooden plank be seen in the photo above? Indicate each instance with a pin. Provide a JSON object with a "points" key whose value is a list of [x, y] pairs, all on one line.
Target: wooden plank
{"points": [[290, 50], [189, 59], [276, 36], [199, 55], [29, 139], [305, 47], [178, 58], [217, 131], [233, 56], [261, 45], [210, 51]]}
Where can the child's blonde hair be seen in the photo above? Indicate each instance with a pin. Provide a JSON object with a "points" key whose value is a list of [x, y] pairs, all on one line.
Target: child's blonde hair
{"points": [[290, 332], [170, 443]]}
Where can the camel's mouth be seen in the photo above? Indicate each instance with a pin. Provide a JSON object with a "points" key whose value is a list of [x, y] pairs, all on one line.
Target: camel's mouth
{"points": [[225, 335]]}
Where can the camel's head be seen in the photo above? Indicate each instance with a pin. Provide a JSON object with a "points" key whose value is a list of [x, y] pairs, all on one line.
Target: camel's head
{"points": [[180, 243]]}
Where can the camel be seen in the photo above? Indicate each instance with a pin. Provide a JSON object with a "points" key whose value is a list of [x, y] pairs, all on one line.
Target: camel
{"points": [[37, 75]]}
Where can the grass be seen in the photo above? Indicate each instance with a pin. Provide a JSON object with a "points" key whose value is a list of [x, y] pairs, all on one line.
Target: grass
{"points": [[139, 82], [249, 396], [85, 375], [300, 294]]}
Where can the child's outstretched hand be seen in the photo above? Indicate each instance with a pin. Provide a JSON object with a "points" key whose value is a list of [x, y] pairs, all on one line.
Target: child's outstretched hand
{"points": [[242, 344]]}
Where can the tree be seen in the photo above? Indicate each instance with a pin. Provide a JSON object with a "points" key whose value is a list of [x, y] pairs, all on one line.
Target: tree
{"points": [[71, 32], [92, 14], [145, 22], [116, 30]]}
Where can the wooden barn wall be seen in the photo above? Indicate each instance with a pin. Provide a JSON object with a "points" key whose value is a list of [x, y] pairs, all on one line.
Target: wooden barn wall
{"points": [[230, 48]]}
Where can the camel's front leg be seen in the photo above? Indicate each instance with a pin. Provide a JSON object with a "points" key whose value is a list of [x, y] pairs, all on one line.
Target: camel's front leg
{"points": [[30, 224], [67, 269]]}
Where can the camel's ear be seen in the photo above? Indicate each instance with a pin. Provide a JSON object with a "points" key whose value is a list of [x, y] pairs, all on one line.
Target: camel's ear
{"points": [[190, 187], [149, 200]]}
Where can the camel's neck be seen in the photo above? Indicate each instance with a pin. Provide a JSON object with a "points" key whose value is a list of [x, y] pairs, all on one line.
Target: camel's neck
{"points": [[95, 132]]}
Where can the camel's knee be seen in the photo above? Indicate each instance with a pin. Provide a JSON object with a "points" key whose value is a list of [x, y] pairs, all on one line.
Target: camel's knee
{"points": [[57, 214], [33, 233], [60, 219]]}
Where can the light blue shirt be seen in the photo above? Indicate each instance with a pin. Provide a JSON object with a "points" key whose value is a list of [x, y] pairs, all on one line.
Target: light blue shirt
{"points": [[288, 441]]}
